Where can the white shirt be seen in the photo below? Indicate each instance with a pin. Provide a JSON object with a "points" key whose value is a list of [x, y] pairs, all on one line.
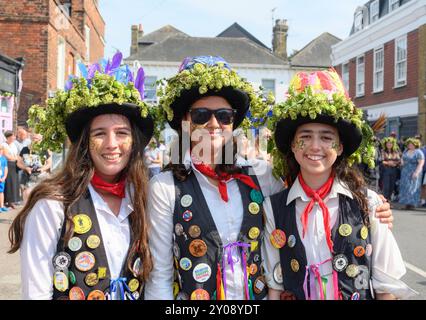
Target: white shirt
{"points": [[41, 235], [387, 263], [226, 215], [11, 148]]}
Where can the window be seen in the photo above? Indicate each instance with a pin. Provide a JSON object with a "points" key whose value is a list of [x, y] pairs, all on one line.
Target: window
{"points": [[358, 21], [87, 42], [374, 11], [4, 106], [345, 75], [150, 88], [378, 76], [401, 61], [360, 75], [60, 71], [268, 85], [77, 71], [393, 4]]}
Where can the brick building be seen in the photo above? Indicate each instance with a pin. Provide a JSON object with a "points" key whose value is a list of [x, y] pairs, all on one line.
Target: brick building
{"points": [[52, 36], [383, 63]]}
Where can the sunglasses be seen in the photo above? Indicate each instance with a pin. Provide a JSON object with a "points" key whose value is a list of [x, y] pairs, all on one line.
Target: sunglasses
{"points": [[203, 115]]}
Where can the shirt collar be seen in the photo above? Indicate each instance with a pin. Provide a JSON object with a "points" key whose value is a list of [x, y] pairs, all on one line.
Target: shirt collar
{"points": [[126, 207], [296, 191]]}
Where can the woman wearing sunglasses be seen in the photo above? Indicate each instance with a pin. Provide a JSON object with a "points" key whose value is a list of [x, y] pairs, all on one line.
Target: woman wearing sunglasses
{"points": [[205, 211]]}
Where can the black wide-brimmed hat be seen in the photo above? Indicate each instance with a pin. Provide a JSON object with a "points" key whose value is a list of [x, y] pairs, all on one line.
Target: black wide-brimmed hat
{"points": [[350, 135], [77, 120], [188, 86]]}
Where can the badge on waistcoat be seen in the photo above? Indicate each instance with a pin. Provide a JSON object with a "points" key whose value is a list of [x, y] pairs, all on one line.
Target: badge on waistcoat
{"points": [[256, 196], [60, 281], [102, 273], [253, 208], [278, 238], [359, 251], [137, 265], [352, 270], [294, 264], [291, 241], [186, 200], [187, 215], [91, 279], [200, 294], [96, 295], [364, 232], [253, 233], [76, 293], [82, 223], [185, 264], [278, 274], [75, 244], [84, 261], [340, 262], [259, 285], [194, 231], [345, 230], [202, 272], [61, 261], [198, 248], [133, 284], [93, 241], [368, 249]]}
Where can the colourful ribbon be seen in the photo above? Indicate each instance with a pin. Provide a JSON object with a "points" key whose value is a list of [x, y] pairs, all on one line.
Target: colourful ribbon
{"points": [[314, 268], [122, 285], [227, 258]]}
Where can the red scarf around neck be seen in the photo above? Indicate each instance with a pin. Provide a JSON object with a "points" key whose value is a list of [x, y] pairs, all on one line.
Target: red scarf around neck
{"points": [[318, 196], [223, 177], [117, 189]]}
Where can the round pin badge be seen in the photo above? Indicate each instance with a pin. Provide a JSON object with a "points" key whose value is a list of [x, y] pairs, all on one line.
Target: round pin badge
{"points": [[202, 272], [133, 284], [352, 270], [76, 293], [187, 215], [259, 285], [340, 262], [91, 279], [294, 264], [198, 248], [178, 229], [175, 289], [186, 200], [60, 281], [368, 250], [185, 264], [71, 277], [176, 250], [256, 196], [253, 269], [96, 295], [61, 260], [136, 295], [345, 230], [82, 223], [256, 257], [93, 241], [75, 244], [254, 208], [253, 233], [278, 238], [84, 261], [194, 231], [291, 241], [355, 296], [359, 251], [199, 294], [278, 274], [137, 265], [364, 232]]}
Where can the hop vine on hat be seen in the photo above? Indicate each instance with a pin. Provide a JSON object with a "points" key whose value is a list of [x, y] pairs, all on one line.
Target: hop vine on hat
{"points": [[384, 142], [108, 85], [416, 142], [320, 97]]}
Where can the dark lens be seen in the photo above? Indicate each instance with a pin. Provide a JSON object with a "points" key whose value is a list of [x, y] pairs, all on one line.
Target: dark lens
{"points": [[225, 116], [200, 116]]}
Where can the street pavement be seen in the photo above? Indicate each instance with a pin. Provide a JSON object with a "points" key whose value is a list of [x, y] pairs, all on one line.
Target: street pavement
{"points": [[409, 230]]}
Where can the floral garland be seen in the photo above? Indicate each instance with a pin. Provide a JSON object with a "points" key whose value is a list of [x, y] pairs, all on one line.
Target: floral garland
{"points": [[416, 142], [395, 147], [213, 78], [6, 94], [337, 105], [102, 86]]}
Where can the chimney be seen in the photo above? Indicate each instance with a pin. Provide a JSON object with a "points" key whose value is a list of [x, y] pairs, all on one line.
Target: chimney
{"points": [[137, 33], [279, 39]]}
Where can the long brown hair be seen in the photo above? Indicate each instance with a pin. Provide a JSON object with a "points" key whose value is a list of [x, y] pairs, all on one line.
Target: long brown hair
{"points": [[72, 181], [350, 175]]}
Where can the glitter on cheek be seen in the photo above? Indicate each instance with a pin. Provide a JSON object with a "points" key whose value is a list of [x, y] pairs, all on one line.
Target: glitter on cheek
{"points": [[95, 144], [300, 144], [127, 144]]}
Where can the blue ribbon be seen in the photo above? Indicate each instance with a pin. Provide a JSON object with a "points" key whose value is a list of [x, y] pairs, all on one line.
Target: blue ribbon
{"points": [[122, 285]]}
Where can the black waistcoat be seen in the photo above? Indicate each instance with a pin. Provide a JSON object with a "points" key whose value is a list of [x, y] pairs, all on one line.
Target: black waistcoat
{"points": [[349, 213], [201, 217], [85, 206]]}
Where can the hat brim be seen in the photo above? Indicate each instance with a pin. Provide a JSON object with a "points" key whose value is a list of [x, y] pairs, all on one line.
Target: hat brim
{"points": [[349, 134], [238, 99], [77, 120]]}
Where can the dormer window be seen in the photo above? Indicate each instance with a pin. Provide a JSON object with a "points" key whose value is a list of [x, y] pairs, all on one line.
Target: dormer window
{"points": [[358, 21], [393, 4], [374, 11]]}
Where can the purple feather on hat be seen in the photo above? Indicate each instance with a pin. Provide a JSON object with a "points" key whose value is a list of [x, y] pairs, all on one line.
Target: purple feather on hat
{"points": [[83, 70], [92, 70], [116, 61], [140, 81]]}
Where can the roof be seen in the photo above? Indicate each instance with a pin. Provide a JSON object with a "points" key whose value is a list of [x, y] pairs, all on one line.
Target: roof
{"points": [[316, 53], [233, 50], [161, 34], [237, 31]]}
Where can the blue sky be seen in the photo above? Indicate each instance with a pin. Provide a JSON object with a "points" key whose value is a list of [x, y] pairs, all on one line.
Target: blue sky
{"points": [[307, 19]]}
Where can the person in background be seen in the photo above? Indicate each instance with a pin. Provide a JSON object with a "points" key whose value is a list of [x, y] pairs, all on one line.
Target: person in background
{"points": [[423, 193], [3, 176], [390, 159], [12, 183], [153, 158], [22, 140], [411, 172]]}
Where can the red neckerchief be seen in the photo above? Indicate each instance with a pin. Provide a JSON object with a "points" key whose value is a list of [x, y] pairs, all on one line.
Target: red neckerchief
{"points": [[223, 177], [116, 189], [318, 195]]}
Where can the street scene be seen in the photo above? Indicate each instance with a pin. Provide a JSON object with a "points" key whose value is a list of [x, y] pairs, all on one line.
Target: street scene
{"points": [[179, 150]]}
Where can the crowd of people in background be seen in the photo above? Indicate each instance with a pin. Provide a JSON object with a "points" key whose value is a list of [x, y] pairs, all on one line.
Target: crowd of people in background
{"points": [[21, 167]]}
